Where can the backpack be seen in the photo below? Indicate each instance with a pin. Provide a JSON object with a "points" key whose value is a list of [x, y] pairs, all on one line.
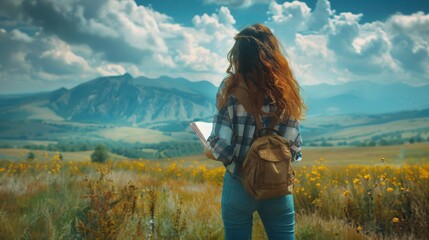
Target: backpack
{"points": [[266, 171]]}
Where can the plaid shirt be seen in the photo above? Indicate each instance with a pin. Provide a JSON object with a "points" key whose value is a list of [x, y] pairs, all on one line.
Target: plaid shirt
{"points": [[233, 131]]}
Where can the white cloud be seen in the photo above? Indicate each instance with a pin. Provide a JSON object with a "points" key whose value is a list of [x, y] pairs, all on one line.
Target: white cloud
{"points": [[109, 69], [409, 35], [287, 19], [319, 18], [87, 39], [20, 36], [92, 38], [312, 61], [295, 11], [337, 47], [237, 3], [205, 46]]}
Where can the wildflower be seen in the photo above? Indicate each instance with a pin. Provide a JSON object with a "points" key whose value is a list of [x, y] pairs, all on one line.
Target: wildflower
{"points": [[367, 177], [346, 193], [382, 159], [395, 220], [317, 184], [424, 174], [356, 181], [359, 228], [389, 189]]}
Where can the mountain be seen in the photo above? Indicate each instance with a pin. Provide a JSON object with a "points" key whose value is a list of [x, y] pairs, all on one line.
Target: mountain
{"points": [[164, 102], [150, 111], [364, 98], [122, 100]]}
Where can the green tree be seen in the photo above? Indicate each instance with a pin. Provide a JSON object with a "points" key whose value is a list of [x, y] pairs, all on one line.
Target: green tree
{"points": [[100, 154], [31, 156]]}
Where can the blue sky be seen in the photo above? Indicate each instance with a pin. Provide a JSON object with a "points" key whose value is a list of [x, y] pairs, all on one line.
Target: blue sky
{"points": [[47, 44]]}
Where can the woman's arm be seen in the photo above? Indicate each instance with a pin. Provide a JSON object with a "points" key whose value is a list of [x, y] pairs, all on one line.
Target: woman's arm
{"points": [[220, 144], [292, 133]]}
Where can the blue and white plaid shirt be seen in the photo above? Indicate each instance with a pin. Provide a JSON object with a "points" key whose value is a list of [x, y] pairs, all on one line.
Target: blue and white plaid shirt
{"points": [[233, 130]]}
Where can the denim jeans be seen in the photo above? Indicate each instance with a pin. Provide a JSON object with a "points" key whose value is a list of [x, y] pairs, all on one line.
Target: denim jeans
{"points": [[238, 206]]}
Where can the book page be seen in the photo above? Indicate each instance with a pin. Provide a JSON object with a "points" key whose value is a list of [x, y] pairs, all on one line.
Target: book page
{"points": [[202, 129]]}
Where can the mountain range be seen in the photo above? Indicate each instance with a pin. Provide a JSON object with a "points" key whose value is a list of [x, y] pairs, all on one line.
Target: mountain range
{"points": [[364, 97], [121, 100], [143, 102]]}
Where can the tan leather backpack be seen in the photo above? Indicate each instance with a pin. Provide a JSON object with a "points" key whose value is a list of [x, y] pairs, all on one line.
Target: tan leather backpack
{"points": [[266, 171]]}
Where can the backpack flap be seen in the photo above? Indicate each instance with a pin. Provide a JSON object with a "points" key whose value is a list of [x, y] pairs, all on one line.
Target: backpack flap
{"points": [[274, 154]]}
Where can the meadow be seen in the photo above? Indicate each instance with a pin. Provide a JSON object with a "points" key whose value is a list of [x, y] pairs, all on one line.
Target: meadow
{"points": [[340, 193]]}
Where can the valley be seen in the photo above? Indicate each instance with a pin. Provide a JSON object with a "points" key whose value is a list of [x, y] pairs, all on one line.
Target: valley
{"points": [[149, 118]]}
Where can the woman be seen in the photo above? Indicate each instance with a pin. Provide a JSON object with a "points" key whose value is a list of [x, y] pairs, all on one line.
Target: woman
{"points": [[255, 58]]}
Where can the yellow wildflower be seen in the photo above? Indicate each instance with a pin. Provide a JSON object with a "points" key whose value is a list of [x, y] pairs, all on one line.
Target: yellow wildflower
{"points": [[389, 189], [356, 181], [367, 177], [359, 228], [395, 220]]}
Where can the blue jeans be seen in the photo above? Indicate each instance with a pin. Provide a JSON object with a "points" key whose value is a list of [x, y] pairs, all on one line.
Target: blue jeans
{"points": [[238, 206]]}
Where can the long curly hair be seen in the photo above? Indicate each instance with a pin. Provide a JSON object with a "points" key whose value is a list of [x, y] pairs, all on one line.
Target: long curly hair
{"points": [[256, 55]]}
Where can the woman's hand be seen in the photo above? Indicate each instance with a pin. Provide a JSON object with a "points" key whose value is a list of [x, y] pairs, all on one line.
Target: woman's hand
{"points": [[208, 152]]}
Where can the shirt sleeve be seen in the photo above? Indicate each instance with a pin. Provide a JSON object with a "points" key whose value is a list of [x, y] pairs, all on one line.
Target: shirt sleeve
{"points": [[293, 134], [221, 137]]}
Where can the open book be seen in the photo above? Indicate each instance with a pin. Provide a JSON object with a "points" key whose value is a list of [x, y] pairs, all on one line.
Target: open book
{"points": [[202, 129]]}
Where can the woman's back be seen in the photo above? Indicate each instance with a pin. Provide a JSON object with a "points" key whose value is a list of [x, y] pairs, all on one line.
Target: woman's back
{"points": [[241, 126], [255, 60]]}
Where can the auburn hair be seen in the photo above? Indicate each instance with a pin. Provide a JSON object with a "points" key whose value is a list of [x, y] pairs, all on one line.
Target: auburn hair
{"points": [[256, 55]]}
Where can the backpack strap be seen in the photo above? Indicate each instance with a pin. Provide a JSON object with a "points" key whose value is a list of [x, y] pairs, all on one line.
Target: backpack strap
{"points": [[245, 98]]}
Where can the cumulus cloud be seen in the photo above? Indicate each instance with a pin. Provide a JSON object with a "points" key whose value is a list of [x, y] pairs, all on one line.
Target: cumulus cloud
{"points": [[337, 47], [237, 3], [410, 36], [70, 41], [287, 19], [76, 40]]}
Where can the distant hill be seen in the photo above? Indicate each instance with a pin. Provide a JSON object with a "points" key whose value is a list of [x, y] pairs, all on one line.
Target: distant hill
{"points": [[364, 98], [166, 103], [147, 115], [121, 100]]}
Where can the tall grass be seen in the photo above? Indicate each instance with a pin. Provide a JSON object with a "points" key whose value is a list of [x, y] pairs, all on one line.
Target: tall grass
{"points": [[181, 200]]}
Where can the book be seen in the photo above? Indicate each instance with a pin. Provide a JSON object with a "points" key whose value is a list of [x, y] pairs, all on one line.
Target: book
{"points": [[202, 129]]}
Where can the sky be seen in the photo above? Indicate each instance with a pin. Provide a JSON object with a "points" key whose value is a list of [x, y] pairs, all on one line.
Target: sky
{"points": [[48, 44]]}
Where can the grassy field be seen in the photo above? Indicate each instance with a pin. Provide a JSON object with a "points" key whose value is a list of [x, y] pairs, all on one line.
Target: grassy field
{"points": [[340, 193], [399, 154]]}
